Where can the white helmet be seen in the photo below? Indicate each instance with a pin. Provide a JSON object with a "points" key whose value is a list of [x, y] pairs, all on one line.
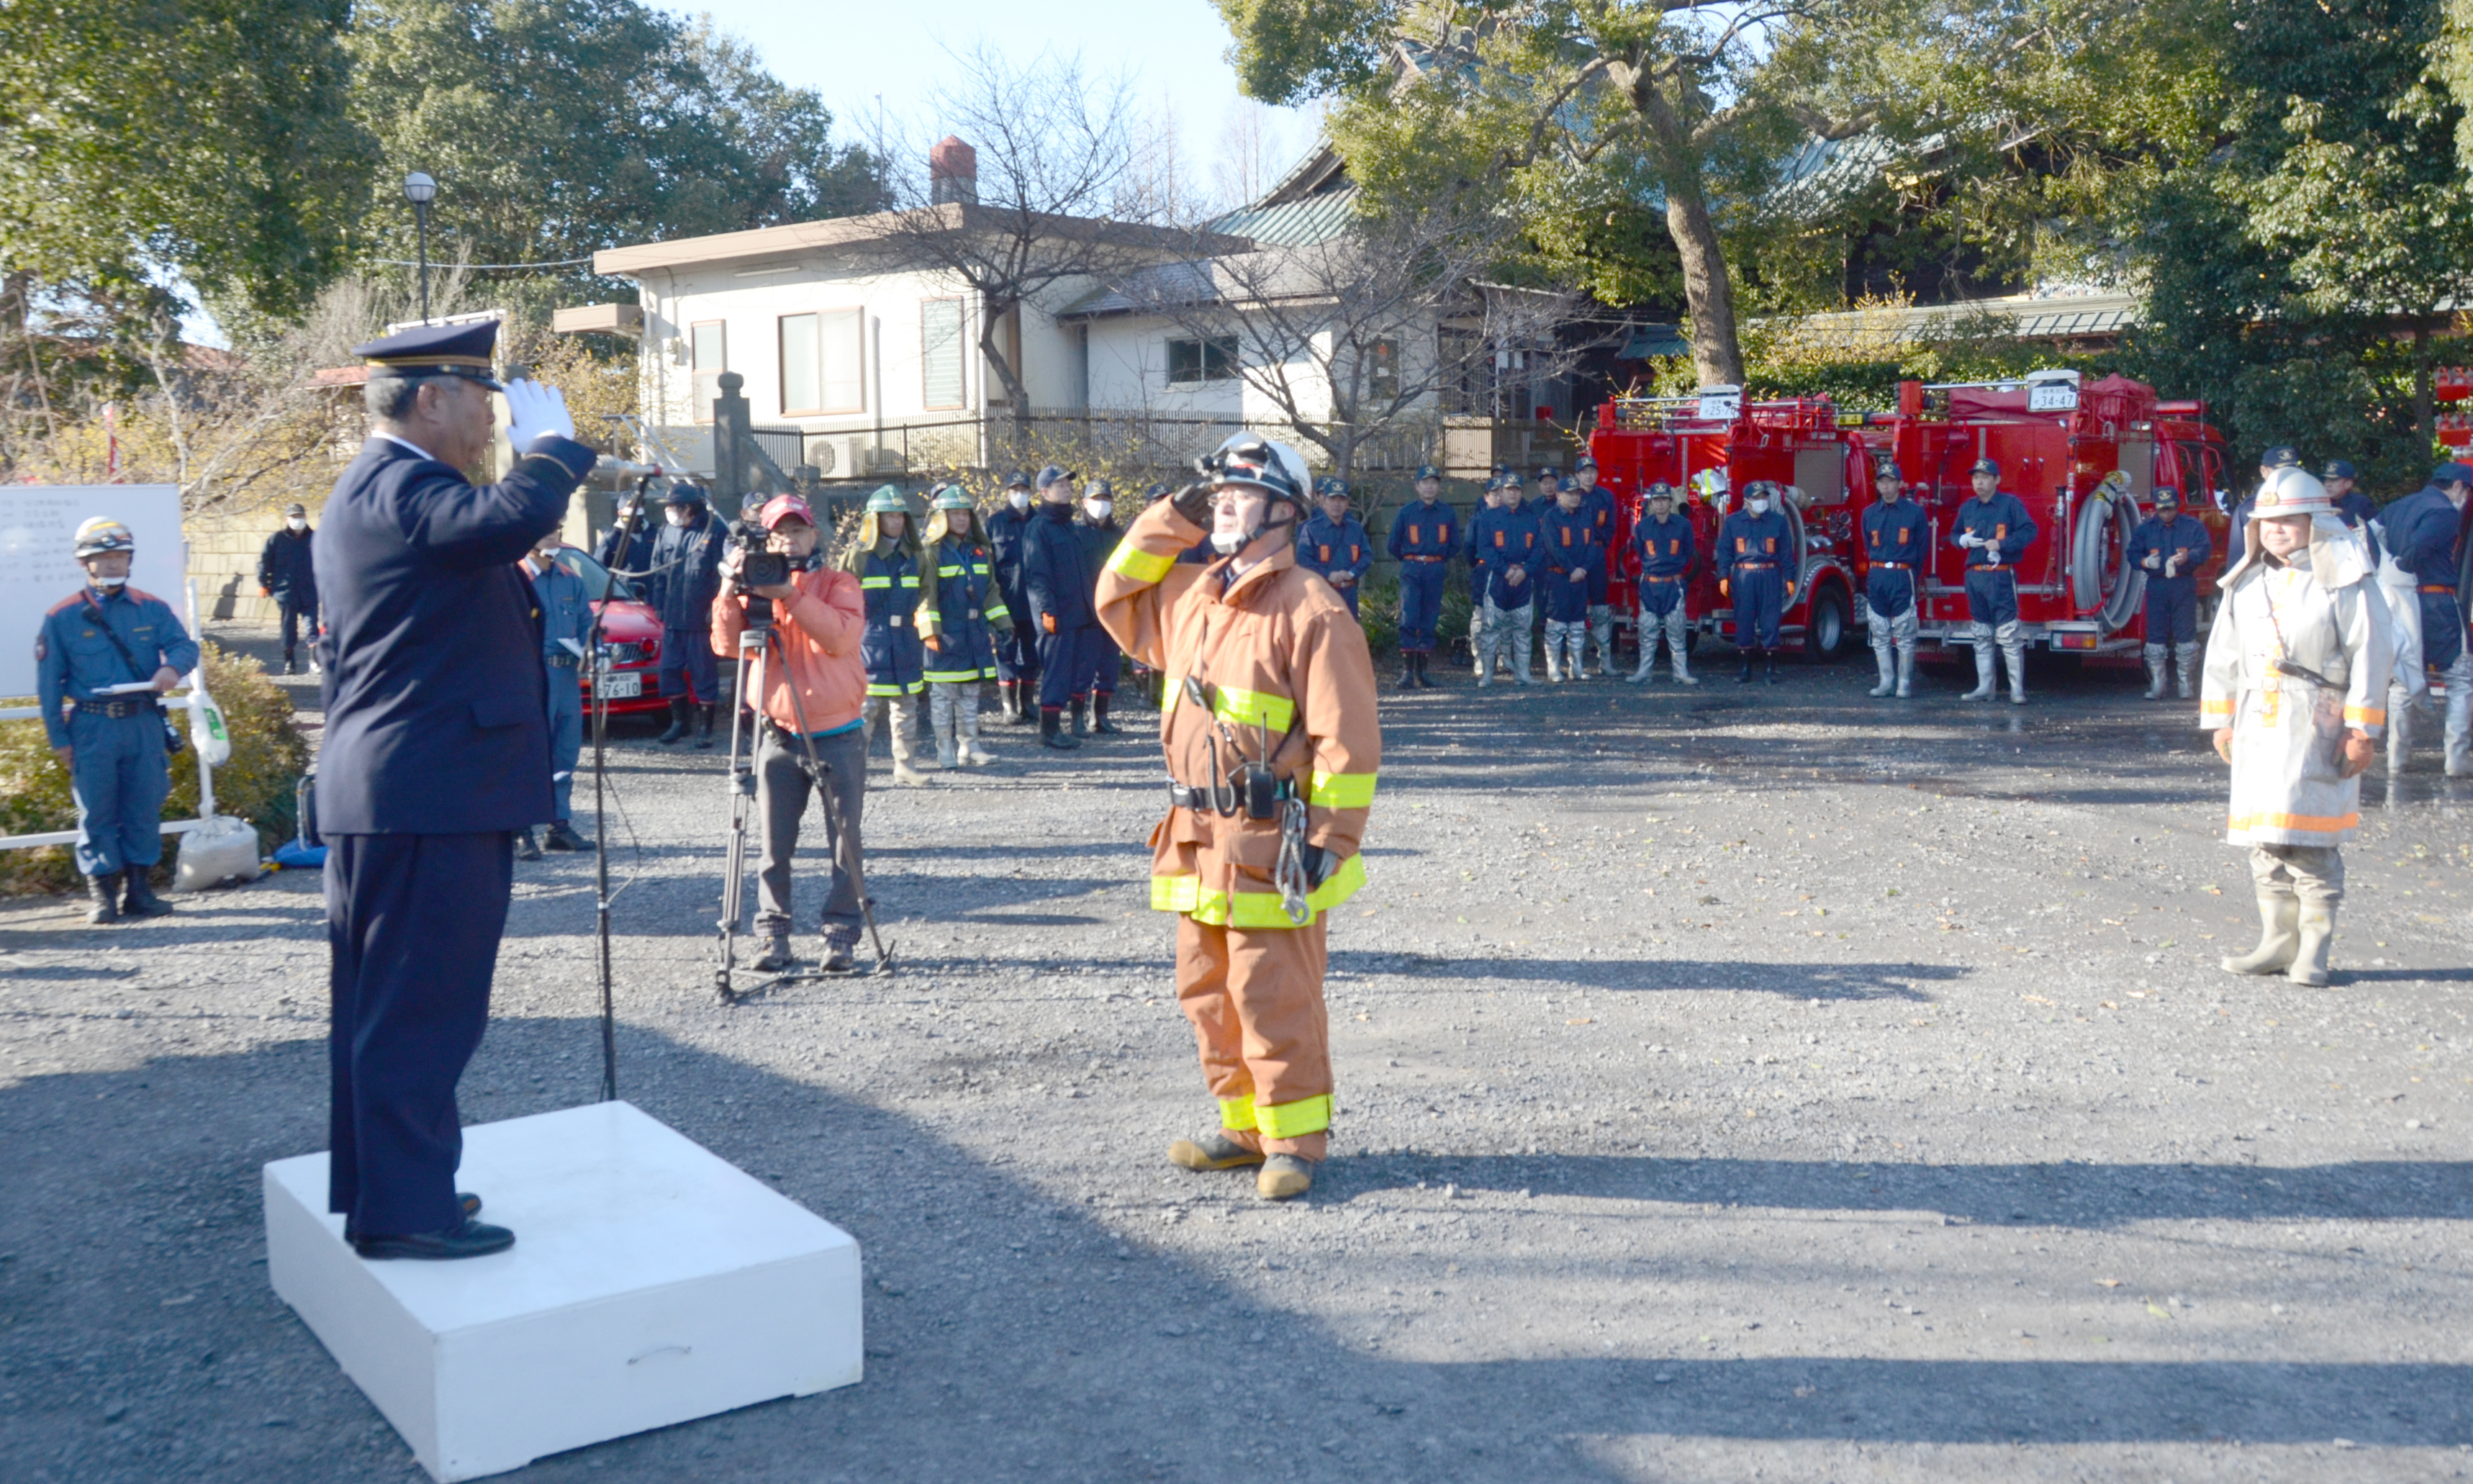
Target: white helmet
{"points": [[1251, 459]]}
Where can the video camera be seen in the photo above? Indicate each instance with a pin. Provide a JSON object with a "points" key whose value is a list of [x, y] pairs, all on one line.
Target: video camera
{"points": [[760, 568]]}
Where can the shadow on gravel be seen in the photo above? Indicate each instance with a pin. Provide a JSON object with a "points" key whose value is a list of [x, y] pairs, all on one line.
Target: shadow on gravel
{"points": [[1011, 1335], [2056, 1195], [1798, 981]]}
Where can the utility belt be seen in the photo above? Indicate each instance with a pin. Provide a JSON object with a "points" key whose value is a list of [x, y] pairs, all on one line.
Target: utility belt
{"points": [[1756, 566], [1894, 567], [120, 708], [1414, 557], [1255, 792], [2448, 589], [2003, 570], [1651, 576], [564, 661]]}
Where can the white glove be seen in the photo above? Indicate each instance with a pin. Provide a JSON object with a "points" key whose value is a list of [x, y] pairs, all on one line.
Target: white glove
{"points": [[533, 411], [2153, 561], [1970, 538]]}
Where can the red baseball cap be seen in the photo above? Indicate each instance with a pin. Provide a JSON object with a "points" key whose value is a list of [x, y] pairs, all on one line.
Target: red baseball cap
{"points": [[782, 507]]}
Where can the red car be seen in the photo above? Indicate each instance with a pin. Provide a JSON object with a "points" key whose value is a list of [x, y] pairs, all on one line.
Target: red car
{"points": [[630, 631]]}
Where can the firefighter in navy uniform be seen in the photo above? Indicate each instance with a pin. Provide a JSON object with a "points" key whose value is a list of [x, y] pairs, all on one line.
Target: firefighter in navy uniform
{"points": [[1425, 538], [436, 751], [1598, 502], [687, 577], [1057, 584], [1572, 553], [1996, 531], [2354, 508], [2423, 536], [1754, 548], [1896, 546], [886, 561], [1333, 545], [631, 519], [287, 571], [1017, 643], [565, 614], [1664, 549], [960, 613], [112, 743], [2168, 547], [1099, 659], [1503, 571]]}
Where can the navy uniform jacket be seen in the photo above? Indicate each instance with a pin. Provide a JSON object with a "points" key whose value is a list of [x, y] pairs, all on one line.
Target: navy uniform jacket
{"points": [[1894, 532], [1007, 529], [436, 705], [1424, 530], [687, 572], [1326, 547], [2002, 520], [1597, 503], [1098, 544], [2422, 533], [2185, 538], [1055, 576], [1569, 537], [1664, 549], [968, 605], [2358, 509], [1747, 538], [74, 658], [286, 568], [565, 610], [1499, 541], [638, 554]]}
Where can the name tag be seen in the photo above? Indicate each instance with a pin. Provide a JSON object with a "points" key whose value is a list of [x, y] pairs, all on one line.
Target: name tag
{"points": [[895, 621]]}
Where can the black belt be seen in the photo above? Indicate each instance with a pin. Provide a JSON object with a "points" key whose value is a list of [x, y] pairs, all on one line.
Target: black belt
{"points": [[1184, 797], [119, 708]]}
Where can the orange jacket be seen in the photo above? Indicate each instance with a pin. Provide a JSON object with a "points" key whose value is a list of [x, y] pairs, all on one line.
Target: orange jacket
{"points": [[820, 631], [1276, 649]]}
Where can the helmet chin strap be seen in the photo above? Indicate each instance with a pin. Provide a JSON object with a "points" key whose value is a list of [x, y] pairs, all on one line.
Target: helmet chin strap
{"points": [[1230, 545]]}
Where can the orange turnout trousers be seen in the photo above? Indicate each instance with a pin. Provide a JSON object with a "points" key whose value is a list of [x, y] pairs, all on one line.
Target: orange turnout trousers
{"points": [[1266, 667]]}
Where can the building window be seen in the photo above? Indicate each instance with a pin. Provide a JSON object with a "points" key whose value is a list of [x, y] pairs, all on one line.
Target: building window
{"points": [[820, 364], [1466, 374], [1383, 371], [708, 349], [1212, 359], [940, 352]]}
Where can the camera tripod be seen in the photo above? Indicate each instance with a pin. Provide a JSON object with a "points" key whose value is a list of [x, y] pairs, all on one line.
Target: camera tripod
{"points": [[757, 644]]}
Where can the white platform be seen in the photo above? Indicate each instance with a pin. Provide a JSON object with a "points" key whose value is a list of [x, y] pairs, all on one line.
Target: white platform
{"points": [[650, 1283]]}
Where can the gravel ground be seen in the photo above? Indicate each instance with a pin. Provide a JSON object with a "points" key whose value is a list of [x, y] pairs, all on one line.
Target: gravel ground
{"points": [[1746, 1083]]}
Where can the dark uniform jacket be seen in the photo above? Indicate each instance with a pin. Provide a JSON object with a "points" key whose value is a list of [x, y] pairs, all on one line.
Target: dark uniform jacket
{"points": [[960, 604], [1424, 530], [638, 554], [1499, 541], [1099, 540], [288, 569], [1325, 546], [687, 572], [2185, 537], [2423, 535], [1056, 577], [2000, 519], [1007, 530], [436, 705], [1571, 544], [1664, 549]]}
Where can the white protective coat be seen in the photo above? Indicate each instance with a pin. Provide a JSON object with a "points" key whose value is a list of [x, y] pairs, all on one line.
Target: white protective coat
{"points": [[2287, 732]]}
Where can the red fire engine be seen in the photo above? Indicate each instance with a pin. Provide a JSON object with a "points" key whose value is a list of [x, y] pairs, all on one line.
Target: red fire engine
{"points": [[2058, 441]]}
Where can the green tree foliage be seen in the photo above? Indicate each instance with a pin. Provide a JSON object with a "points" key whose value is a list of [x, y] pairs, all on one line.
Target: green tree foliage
{"points": [[210, 137]]}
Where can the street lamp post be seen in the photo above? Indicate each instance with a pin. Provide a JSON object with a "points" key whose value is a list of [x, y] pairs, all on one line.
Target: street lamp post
{"points": [[419, 189]]}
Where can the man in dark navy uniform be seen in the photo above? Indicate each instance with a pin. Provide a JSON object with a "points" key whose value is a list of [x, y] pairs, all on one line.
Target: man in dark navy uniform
{"points": [[1017, 650], [1333, 545], [1755, 547], [286, 573], [1058, 579], [1895, 548], [1425, 538], [1600, 503], [100, 660], [437, 753], [2168, 547], [631, 520], [1996, 531], [1664, 550]]}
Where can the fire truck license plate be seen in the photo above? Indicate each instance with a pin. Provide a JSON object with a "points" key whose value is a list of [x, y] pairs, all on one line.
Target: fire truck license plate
{"points": [[619, 687]]}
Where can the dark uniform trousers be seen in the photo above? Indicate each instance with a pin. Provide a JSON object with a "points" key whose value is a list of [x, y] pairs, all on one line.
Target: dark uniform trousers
{"points": [[1074, 661], [413, 922], [1759, 604], [296, 606], [688, 661], [1992, 595], [1421, 602]]}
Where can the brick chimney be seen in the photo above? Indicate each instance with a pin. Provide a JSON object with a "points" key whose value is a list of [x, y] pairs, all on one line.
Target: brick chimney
{"points": [[952, 173]]}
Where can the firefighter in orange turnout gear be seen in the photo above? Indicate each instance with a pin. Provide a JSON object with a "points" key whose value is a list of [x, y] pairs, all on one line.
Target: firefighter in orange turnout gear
{"points": [[1267, 719]]}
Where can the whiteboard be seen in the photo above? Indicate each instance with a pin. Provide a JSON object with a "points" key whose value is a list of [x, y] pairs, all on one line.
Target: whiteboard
{"points": [[38, 562]]}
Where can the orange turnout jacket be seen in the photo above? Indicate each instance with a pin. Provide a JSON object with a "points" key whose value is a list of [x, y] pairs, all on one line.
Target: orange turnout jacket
{"points": [[1280, 661]]}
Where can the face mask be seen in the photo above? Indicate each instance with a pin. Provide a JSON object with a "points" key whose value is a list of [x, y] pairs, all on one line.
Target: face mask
{"points": [[1757, 507], [1019, 499], [1098, 510], [296, 523], [677, 517], [107, 584]]}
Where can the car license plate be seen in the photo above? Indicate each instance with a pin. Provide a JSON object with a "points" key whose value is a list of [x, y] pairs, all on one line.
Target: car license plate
{"points": [[619, 687]]}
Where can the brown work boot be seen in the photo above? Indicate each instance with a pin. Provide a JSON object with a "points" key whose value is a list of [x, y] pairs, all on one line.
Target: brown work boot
{"points": [[1212, 1152], [1285, 1176]]}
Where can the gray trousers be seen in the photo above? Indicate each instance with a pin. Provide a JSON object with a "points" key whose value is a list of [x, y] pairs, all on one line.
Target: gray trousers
{"points": [[1891, 633], [2311, 872], [782, 784]]}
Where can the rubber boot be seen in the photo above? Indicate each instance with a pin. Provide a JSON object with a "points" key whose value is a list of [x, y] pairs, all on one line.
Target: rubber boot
{"points": [[1484, 651], [1885, 661], [103, 894], [2156, 658], [1407, 672], [948, 752], [139, 900], [1081, 716], [704, 727], [1647, 663], [1553, 654], [1682, 661], [2014, 656], [904, 755], [1284, 1177], [2399, 730], [1746, 678], [1987, 676], [2459, 729], [2317, 923], [966, 729], [1100, 723], [1052, 732], [1009, 702], [2185, 660], [1771, 657], [2279, 938], [1425, 670], [677, 732], [1906, 673], [1523, 672]]}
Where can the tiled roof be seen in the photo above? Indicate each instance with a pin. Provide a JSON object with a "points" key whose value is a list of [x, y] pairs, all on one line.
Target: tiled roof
{"points": [[1318, 218]]}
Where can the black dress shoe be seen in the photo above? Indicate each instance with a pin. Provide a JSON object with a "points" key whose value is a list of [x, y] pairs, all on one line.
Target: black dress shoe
{"points": [[471, 1239], [562, 836], [465, 1200]]}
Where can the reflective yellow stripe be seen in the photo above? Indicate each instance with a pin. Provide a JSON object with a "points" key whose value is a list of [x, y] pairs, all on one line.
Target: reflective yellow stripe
{"points": [[911, 689], [1253, 909], [909, 581], [951, 676], [1131, 560], [1253, 708], [1236, 1113], [950, 569], [1341, 790], [1295, 1120], [998, 613], [876, 582]]}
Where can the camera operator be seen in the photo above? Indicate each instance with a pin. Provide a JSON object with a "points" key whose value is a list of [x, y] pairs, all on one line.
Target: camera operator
{"points": [[814, 682]]}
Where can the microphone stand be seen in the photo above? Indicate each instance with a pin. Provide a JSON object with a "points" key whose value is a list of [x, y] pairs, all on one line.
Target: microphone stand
{"points": [[600, 804]]}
